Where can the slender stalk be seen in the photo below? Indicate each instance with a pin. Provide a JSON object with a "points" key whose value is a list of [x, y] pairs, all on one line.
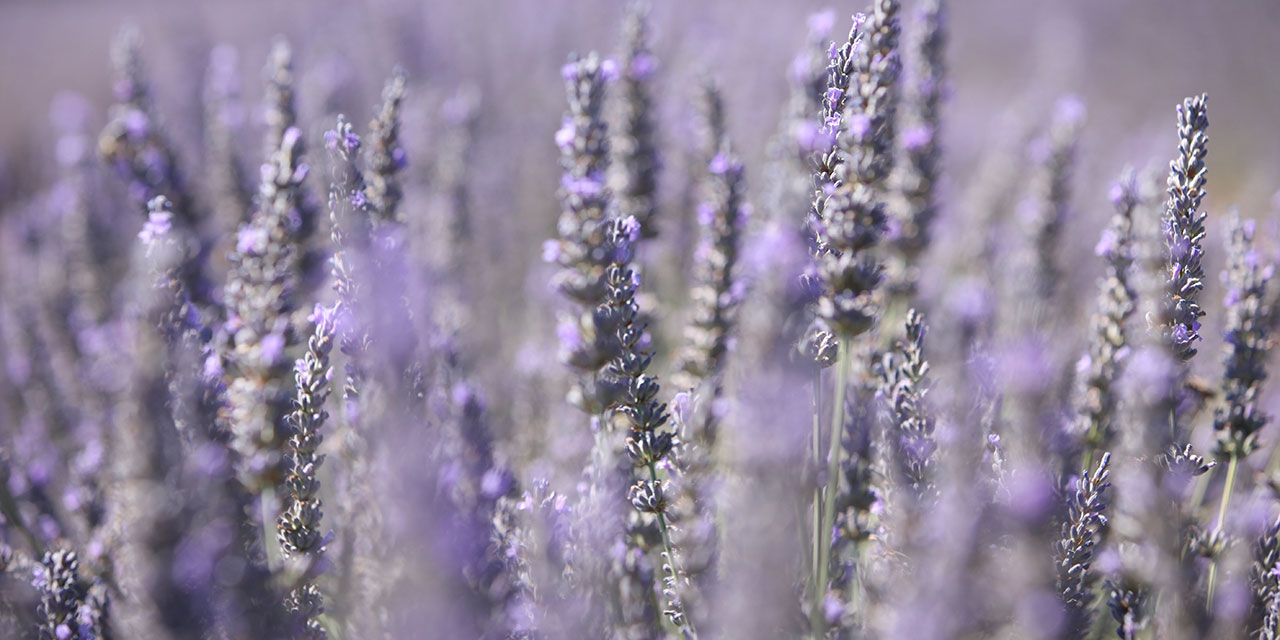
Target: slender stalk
{"points": [[833, 482], [685, 629], [1222, 517]]}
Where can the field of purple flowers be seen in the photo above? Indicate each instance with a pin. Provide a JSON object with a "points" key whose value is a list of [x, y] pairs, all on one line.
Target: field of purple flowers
{"points": [[663, 340]]}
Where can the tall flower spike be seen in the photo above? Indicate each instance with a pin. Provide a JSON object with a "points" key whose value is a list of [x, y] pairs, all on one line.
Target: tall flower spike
{"points": [[917, 176], [904, 384], [298, 526], [1184, 231], [1265, 615], [349, 232], [649, 442], [717, 290], [1240, 419], [1086, 517], [854, 215], [72, 610], [634, 146], [386, 155], [1099, 369], [133, 140], [828, 157], [587, 344], [259, 295], [280, 114]]}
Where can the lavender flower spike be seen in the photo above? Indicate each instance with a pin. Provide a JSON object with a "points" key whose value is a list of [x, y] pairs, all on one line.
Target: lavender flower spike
{"points": [[648, 442], [299, 523], [386, 156], [905, 385], [1080, 533], [71, 607], [1241, 417], [1095, 395], [855, 214], [1184, 231], [584, 197], [917, 175], [635, 154]]}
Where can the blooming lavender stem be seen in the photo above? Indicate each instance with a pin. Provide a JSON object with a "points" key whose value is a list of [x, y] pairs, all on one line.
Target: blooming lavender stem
{"points": [[133, 140], [298, 525], [918, 171], [587, 345], [1265, 614], [634, 146], [905, 386], [1238, 422], [386, 156], [1184, 231], [1086, 517], [648, 442], [72, 609], [259, 296], [1095, 395]]}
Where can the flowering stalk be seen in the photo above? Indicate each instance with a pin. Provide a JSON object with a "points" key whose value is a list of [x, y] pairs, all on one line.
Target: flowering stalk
{"points": [[586, 345], [828, 157], [904, 384], [72, 608], [854, 218], [298, 525], [1095, 395], [260, 300], [919, 150], [1184, 232], [634, 146], [133, 140], [1086, 517], [386, 157], [648, 442], [1239, 421], [1265, 614]]}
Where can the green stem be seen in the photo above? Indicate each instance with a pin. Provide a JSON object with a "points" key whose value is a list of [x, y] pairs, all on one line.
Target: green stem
{"points": [[1222, 517], [833, 482]]}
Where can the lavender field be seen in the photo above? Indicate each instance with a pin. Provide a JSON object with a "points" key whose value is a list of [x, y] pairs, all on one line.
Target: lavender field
{"points": [[639, 320]]}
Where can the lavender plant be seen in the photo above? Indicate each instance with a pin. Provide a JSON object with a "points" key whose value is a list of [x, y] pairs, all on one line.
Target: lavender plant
{"points": [[176, 460], [634, 145]]}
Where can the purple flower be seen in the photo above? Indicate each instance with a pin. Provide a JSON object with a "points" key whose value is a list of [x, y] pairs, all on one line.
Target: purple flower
{"points": [[551, 251], [272, 347], [358, 199], [859, 126], [1107, 244], [566, 134], [158, 224], [833, 94], [251, 239], [642, 66], [609, 70], [331, 141], [569, 72], [720, 164], [917, 138]]}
